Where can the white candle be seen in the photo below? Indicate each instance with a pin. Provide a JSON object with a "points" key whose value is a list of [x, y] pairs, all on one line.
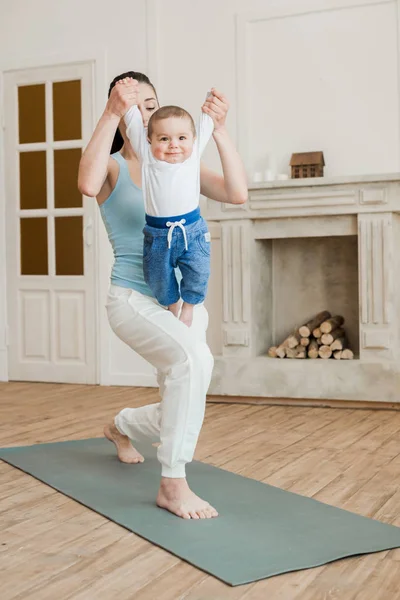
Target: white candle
{"points": [[268, 175]]}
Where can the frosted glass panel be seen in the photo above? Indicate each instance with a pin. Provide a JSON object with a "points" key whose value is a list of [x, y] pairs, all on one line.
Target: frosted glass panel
{"points": [[69, 245], [66, 165], [32, 180], [34, 246], [67, 120], [31, 114]]}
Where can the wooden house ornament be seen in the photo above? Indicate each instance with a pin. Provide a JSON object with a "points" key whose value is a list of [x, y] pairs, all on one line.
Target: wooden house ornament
{"points": [[307, 164]]}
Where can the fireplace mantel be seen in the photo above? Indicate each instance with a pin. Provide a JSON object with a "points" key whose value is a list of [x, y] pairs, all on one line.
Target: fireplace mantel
{"points": [[323, 181], [365, 207]]}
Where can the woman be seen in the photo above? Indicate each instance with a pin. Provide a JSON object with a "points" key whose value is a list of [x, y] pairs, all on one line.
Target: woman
{"points": [[180, 354]]}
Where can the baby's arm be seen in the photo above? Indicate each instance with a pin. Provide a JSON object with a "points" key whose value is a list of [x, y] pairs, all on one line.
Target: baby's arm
{"points": [[135, 130], [204, 130]]}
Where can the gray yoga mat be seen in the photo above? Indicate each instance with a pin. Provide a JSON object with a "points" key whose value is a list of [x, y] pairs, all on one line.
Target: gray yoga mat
{"points": [[261, 531]]}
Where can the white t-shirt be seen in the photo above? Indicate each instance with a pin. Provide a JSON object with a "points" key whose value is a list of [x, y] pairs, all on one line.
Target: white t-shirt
{"points": [[168, 189]]}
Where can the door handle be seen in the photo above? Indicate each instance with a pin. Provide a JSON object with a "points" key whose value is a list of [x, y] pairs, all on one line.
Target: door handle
{"points": [[88, 233]]}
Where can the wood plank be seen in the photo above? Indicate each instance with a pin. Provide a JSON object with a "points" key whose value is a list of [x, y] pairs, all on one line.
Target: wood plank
{"points": [[54, 547]]}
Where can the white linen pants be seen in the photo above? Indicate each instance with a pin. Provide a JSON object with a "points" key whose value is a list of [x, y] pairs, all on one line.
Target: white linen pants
{"points": [[184, 365]]}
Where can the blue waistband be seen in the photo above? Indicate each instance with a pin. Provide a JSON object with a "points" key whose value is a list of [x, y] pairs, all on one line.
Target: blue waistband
{"points": [[161, 222]]}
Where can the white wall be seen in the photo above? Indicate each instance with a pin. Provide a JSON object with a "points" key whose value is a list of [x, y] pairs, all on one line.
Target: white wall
{"points": [[299, 74], [3, 315], [43, 32]]}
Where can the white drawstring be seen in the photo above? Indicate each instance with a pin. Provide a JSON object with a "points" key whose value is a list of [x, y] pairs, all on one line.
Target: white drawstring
{"points": [[172, 225]]}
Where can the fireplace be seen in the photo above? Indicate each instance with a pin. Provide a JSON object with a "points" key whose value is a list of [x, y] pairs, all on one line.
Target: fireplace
{"points": [[310, 275], [297, 248]]}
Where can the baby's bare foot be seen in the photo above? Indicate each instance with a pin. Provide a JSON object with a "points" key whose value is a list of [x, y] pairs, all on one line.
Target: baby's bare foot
{"points": [[125, 451], [174, 308], [186, 315], [176, 496]]}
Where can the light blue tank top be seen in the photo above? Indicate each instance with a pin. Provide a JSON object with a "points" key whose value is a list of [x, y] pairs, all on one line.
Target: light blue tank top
{"points": [[124, 218]]}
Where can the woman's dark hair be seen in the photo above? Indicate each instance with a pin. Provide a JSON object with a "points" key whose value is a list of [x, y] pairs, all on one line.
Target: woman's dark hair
{"points": [[118, 141]]}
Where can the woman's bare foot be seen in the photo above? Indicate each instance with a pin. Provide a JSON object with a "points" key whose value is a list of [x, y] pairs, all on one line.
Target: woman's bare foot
{"points": [[126, 452], [186, 315], [176, 496]]}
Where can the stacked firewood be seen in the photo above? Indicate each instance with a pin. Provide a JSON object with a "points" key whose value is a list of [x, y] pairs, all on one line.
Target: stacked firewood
{"points": [[322, 337]]}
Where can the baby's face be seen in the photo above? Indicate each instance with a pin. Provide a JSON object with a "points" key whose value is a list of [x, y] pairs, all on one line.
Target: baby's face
{"points": [[172, 140]]}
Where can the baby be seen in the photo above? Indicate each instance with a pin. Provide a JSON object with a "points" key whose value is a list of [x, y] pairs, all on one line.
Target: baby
{"points": [[175, 234]]}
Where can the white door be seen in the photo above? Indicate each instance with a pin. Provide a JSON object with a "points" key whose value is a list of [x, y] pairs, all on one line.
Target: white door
{"points": [[50, 252]]}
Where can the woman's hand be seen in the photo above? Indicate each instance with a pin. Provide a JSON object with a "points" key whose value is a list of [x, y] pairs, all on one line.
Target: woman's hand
{"points": [[216, 106], [123, 95], [231, 187], [94, 164]]}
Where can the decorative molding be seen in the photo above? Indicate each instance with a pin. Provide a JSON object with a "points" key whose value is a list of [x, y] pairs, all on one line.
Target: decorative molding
{"points": [[377, 340], [226, 270], [232, 207], [311, 226], [373, 196], [236, 273], [261, 199], [317, 182], [245, 268], [236, 337], [375, 238], [215, 230], [243, 24], [235, 267]]}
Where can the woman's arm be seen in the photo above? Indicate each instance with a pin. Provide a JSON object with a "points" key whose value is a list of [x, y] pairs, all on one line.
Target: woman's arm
{"points": [[231, 187], [93, 167]]}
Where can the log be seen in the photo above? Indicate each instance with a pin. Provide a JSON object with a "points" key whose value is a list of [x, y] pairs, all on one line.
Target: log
{"points": [[272, 352], [331, 324], [307, 329], [317, 333], [328, 338], [294, 339], [291, 341], [339, 344], [304, 341], [281, 349], [325, 352], [290, 352], [347, 354], [298, 352], [337, 354], [313, 349]]}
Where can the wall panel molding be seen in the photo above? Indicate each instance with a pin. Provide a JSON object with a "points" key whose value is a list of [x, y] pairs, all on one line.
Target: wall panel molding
{"points": [[244, 23]]}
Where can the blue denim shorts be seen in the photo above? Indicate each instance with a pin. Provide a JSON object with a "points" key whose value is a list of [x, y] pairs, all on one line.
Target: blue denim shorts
{"points": [[168, 246]]}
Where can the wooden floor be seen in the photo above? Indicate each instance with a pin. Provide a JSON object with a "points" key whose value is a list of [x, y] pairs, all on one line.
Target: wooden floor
{"points": [[52, 548]]}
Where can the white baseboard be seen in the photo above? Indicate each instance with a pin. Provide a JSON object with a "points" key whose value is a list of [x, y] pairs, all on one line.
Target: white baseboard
{"points": [[3, 364], [132, 379]]}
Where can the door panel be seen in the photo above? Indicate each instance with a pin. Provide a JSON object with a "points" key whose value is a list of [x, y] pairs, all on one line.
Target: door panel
{"points": [[50, 268]]}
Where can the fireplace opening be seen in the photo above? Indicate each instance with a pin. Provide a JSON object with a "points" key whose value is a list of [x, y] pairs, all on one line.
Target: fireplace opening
{"points": [[296, 278]]}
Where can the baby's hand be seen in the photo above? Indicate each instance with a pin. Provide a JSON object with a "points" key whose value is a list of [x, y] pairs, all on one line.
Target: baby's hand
{"points": [[123, 95], [216, 106]]}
